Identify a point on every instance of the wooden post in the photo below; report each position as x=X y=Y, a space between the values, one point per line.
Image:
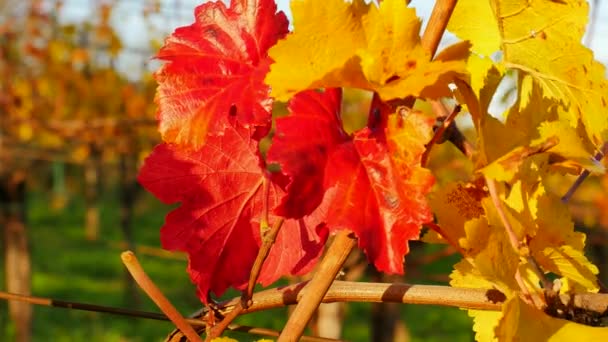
x=17 y=260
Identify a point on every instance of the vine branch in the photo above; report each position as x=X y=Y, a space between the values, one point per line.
x=130 y=261
x=352 y=291
x=315 y=291
x=445 y=123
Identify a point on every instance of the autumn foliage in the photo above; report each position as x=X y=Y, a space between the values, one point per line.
x=215 y=97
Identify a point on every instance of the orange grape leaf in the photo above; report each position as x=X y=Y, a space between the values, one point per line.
x=341 y=44
x=215 y=69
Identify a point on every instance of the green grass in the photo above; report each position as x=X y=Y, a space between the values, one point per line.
x=67 y=267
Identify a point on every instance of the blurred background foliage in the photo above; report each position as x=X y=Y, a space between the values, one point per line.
x=76 y=121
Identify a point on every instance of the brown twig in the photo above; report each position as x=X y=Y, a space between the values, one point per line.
x=139 y=314
x=348 y=291
x=218 y=329
x=268 y=240
x=315 y=291
x=91 y=307
x=437 y=23
x=439 y=134
x=146 y=284
x=452 y=133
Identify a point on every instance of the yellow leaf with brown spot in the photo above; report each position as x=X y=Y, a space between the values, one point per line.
x=454 y=204
x=360 y=46
x=542 y=40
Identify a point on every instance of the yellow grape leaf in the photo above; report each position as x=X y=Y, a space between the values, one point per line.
x=516 y=325
x=224 y=339
x=454 y=204
x=549 y=49
x=555 y=244
x=571 y=287
x=505 y=168
x=546 y=49
x=474 y=20
x=522 y=205
x=466 y=275
x=529 y=111
x=530 y=279
x=406 y=131
x=555 y=226
x=484 y=77
x=523 y=198
x=495 y=140
x=342 y=44
x=570 y=263
x=555 y=137
x=484 y=323
x=518 y=225
x=570 y=145
x=489 y=250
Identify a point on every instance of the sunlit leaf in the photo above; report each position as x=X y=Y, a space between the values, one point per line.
x=370 y=47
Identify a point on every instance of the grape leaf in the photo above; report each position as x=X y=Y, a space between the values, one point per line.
x=374 y=201
x=488 y=247
x=467 y=276
x=216 y=68
x=454 y=204
x=549 y=229
x=547 y=48
x=571 y=264
x=484 y=78
x=557 y=247
x=303 y=157
x=515 y=325
x=479 y=27
x=358 y=45
x=374 y=188
x=220 y=187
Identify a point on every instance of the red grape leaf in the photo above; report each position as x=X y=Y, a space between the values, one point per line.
x=377 y=190
x=220 y=187
x=216 y=68
x=303 y=156
x=374 y=200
